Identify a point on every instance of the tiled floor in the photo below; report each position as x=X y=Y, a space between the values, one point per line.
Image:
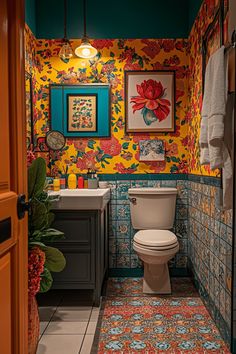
x=129 y=322
x=132 y=322
x=68 y=325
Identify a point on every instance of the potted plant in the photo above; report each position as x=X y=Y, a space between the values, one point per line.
x=43 y=259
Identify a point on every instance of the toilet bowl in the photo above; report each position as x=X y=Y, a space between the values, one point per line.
x=152 y=212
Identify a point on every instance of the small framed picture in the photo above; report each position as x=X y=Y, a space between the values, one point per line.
x=82 y=113
x=151 y=150
x=150 y=101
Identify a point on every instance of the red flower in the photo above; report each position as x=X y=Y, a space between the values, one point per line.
x=87 y=161
x=138 y=137
x=171 y=149
x=30 y=156
x=150 y=97
x=152 y=48
x=185 y=141
x=35 y=269
x=103 y=43
x=157 y=167
x=111 y=146
x=132 y=66
x=122 y=169
x=168 y=45
x=80 y=144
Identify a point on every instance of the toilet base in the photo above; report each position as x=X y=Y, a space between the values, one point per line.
x=156 y=279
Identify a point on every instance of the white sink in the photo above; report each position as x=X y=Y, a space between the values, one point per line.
x=81 y=199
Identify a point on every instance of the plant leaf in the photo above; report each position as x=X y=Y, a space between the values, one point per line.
x=36 y=177
x=46 y=281
x=55 y=260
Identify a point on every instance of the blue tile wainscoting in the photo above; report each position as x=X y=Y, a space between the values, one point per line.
x=210 y=252
x=203 y=230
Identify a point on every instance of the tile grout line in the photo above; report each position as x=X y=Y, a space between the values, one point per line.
x=81 y=346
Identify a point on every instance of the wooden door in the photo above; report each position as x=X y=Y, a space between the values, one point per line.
x=13 y=232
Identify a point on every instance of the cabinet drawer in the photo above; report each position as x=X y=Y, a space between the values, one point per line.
x=78 y=227
x=78 y=270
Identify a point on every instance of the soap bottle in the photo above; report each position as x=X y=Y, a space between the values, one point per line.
x=56 y=184
x=72 y=181
x=80 y=182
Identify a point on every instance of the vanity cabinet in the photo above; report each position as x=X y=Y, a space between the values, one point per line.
x=85 y=248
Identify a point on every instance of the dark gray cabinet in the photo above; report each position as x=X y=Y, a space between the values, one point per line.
x=85 y=248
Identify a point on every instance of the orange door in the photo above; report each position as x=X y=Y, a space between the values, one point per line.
x=13 y=232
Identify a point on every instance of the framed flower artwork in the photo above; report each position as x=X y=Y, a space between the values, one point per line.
x=150 y=101
x=82 y=111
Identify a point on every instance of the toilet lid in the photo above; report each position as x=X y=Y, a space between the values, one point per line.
x=155 y=238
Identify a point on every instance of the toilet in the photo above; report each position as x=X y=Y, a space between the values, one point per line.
x=152 y=213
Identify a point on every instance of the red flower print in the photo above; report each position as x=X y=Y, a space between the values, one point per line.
x=168 y=44
x=157 y=167
x=152 y=48
x=171 y=149
x=185 y=140
x=111 y=146
x=138 y=137
x=102 y=43
x=80 y=144
x=87 y=161
x=178 y=94
x=122 y=169
x=132 y=66
x=150 y=97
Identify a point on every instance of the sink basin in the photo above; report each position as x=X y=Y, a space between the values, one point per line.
x=81 y=199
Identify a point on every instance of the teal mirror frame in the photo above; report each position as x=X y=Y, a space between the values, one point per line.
x=59 y=108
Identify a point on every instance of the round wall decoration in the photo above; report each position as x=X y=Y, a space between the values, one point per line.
x=55 y=140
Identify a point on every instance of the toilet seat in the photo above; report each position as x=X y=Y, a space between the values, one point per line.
x=159 y=240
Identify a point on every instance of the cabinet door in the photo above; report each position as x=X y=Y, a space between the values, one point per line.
x=77 y=247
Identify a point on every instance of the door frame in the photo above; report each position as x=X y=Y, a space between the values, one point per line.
x=18 y=164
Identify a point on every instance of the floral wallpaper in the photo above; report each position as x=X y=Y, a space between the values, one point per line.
x=205 y=16
x=120 y=152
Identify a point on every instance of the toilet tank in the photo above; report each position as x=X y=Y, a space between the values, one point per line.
x=152 y=208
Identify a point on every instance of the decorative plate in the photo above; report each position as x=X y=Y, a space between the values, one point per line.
x=55 y=140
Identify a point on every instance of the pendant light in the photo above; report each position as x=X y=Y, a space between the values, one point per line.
x=66 y=51
x=85 y=50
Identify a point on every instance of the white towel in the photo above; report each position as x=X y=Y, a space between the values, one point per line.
x=213 y=150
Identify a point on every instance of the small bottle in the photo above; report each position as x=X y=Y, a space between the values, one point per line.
x=72 y=181
x=80 y=182
x=56 y=184
x=85 y=182
x=62 y=183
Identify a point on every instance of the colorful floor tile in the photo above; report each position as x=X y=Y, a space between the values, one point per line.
x=131 y=322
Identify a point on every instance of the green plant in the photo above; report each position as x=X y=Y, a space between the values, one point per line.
x=40 y=220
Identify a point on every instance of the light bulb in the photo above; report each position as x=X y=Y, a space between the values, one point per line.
x=86 y=52
x=66 y=51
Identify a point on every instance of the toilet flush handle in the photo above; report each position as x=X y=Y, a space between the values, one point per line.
x=133 y=201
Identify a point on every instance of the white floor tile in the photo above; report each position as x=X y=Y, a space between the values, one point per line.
x=43 y=325
x=91 y=327
x=64 y=327
x=79 y=314
x=87 y=344
x=46 y=312
x=95 y=314
x=56 y=344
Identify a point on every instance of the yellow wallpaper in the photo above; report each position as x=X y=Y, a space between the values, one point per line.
x=205 y=16
x=118 y=154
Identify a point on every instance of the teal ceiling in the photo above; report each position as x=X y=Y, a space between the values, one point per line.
x=117 y=19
